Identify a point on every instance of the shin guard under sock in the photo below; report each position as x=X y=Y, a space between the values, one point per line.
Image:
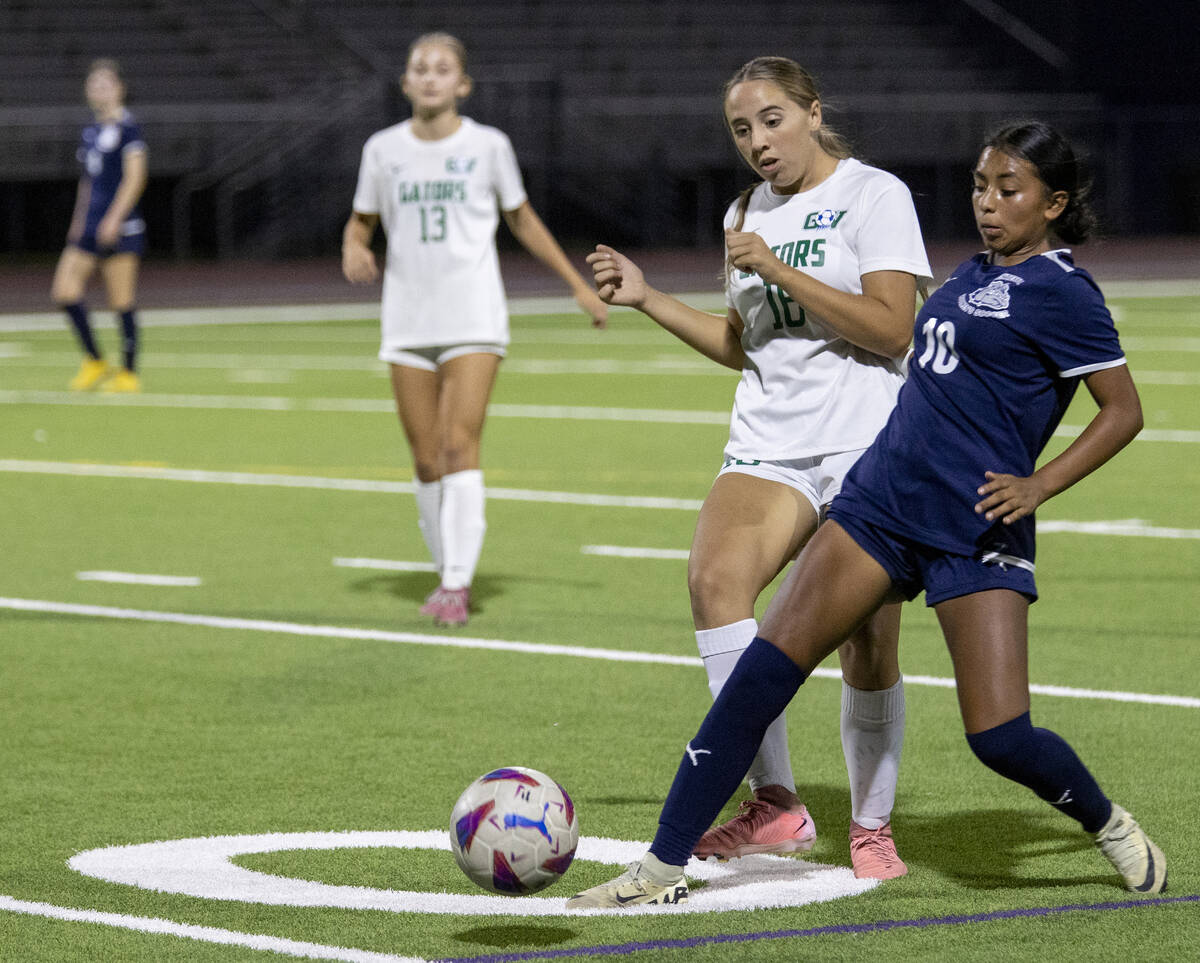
x=716 y=759
x=1041 y=760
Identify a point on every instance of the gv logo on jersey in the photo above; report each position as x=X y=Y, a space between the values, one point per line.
x=460 y=165
x=823 y=219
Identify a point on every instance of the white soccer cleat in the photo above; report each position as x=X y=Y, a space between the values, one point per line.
x=1142 y=864
x=638 y=885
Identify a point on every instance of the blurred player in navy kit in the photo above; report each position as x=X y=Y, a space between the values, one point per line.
x=943 y=502
x=438 y=183
x=106 y=229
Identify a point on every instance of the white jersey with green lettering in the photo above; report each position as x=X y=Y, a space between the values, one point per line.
x=805 y=390
x=440 y=202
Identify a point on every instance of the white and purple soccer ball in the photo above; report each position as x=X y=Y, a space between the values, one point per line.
x=513 y=831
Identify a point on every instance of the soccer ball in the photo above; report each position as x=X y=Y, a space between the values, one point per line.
x=513 y=831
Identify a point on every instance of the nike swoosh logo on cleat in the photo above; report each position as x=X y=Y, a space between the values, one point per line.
x=1148 y=883
x=622 y=900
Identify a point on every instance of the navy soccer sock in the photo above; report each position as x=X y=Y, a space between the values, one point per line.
x=1042 y=760
x=760 y=687
x=129 y=338
x=78 y=315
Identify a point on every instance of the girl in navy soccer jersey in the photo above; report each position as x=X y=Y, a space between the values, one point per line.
x=439 y=183
x=106 y=229
x=943 y=501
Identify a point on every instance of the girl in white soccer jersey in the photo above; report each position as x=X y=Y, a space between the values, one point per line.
x=438 y=183
x=824 y=260
x=943 y=502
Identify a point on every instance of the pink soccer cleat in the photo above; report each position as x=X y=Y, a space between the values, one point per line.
x=873 y=853
x=759 y=827
x=433 y=601
x=453 y=607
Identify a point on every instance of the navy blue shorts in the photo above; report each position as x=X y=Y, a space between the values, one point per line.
x=914 y=567
x=126 y=244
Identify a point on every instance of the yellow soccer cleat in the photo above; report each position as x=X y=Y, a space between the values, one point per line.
x=90 y=374
x=124 y=382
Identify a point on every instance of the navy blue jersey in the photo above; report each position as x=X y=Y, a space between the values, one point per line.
x=102 y=154
x=998 y=354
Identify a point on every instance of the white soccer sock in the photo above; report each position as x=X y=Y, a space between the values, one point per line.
x=429 y=514
x=720 y=648
x=872 y=736
x=462 y=526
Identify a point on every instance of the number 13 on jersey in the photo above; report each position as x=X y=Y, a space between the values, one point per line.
x=433 y=223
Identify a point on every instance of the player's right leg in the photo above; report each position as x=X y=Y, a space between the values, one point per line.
x=748 y=529
x=415 y=386
x=75 y=267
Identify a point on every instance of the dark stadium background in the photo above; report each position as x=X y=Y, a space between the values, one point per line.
x=255 y=112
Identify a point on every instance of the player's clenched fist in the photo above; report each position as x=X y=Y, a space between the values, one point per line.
x=618 y=280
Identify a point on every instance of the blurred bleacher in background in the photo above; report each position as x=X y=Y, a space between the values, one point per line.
x=255 y=111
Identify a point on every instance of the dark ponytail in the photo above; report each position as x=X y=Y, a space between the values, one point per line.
x=1054 y=160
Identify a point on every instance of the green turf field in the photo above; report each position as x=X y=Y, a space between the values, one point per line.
x=280 y=681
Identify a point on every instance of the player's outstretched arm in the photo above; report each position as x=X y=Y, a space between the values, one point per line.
x=621 y=282
x=536 y=238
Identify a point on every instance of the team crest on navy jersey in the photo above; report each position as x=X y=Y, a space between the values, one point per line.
x=827 y=218
x=991 y=301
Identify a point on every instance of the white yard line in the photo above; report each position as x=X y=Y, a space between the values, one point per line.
x=331 y=484
x=1132 y=526
x=22 y=356
x=664 y=416
x=624 y=551
x=384 y=565
x=203 y=934
x=500 y=645
x=131 y=578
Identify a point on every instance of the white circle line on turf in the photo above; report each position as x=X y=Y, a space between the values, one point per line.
x=525 y=648
x=204 y=868
x=202 y=934
x=132 y=578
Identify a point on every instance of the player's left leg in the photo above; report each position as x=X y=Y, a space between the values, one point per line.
x=987 y=635
x=872 y=728
x=120 y=272
x=466 y=387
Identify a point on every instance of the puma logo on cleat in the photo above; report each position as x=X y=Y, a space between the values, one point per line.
x=693 y=753
x=679 y=896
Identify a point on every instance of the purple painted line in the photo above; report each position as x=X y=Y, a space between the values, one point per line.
x=624 y=949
